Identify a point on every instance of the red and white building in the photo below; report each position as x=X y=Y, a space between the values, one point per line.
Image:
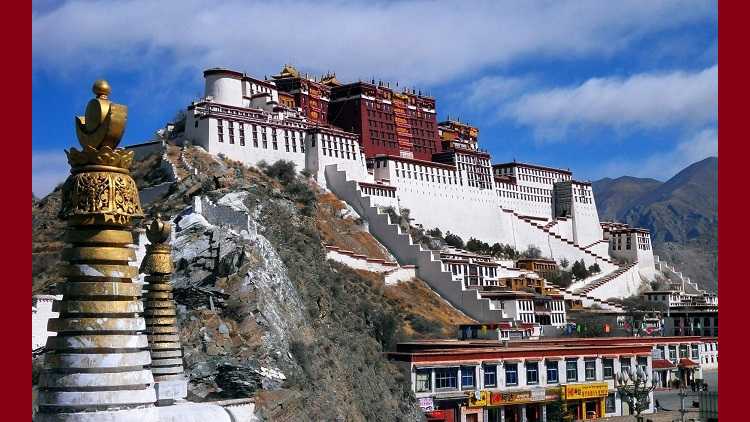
x=490 y=381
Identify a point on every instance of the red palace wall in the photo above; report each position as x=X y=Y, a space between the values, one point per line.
x=387 y=128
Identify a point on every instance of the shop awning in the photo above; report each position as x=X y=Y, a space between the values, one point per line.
x=687 y=363
x=662 y=364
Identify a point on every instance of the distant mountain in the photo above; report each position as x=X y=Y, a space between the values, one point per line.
x=614 y=196
x=681 y=213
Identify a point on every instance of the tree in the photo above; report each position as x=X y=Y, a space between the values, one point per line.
x=454 y=240
x=560 y=278
x=510 y=252
x=435 y=233
x=282 y=170
x=564 y=263
x=579 y=270
x=532 y=252
x=474 y=245
x=594 y=269
x=635 y=389
x=557 y=411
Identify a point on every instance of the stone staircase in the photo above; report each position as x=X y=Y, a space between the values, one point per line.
x=428 y=265
x=587 y=300
x=546 y=229
x=605 y=279
x=594 y=244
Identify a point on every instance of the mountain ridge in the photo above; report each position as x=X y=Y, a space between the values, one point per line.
x=681 y=213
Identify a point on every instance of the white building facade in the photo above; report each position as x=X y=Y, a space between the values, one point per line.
x=519 y=204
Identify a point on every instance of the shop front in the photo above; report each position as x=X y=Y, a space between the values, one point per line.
x=586 y=401
x=512 y=406
x=442 y=409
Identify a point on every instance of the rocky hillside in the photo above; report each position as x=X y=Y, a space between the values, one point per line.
x=262 y=312
x=682 y=214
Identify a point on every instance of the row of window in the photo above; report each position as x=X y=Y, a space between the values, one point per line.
x=292 y=138
x=683 y=351
x=367 y=190
x=448 y=378
x=557 y=318
x=460 y=269
x=429 y=177
x=524 y=197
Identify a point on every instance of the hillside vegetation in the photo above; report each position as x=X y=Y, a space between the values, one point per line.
x=271 y=299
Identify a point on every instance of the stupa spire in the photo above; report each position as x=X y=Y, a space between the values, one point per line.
x=98 y=361
x=159 y=310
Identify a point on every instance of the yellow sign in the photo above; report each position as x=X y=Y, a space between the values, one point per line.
x=585 y=391
x=478 y=398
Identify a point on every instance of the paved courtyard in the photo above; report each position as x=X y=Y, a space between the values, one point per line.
x=670 y=400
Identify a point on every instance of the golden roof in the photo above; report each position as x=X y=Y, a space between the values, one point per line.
x=288 y=71
x=330 y=80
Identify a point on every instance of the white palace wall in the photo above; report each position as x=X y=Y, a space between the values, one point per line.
x=437 y=195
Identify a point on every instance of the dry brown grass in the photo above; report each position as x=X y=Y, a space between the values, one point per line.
x=345 y=233
x=417 y=298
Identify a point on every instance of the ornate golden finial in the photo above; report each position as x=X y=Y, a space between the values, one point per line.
x=158 y=259
x=158 y=231
x=104 y=122
x=100 y=189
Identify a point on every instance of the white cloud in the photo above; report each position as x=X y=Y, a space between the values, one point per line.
x=664 y=165
x=640 y=101
x=493 y=90
x=48 y=169
x=414 y=41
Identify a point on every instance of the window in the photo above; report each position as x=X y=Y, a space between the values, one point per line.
x=694 y=352
x=511 y=374
x=683 y=351
x=571 y=370
x=467 y=377
x=532 y=372
x=490 y=376
x=625 y=364
x=673 y=353
x=609 y=404
x=446 y=378
x=590 y=369
x=609 y=368
x=424 y=380
x=552 y=375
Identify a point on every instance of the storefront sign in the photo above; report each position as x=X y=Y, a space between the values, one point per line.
x=538 y=394
x=478 y=398
x=552 y=393
x=426 y=404
x=585 y=391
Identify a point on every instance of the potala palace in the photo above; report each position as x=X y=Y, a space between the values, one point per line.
x=378 y=147
x=111 y=341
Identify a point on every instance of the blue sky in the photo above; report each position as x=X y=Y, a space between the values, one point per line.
x=603 y=88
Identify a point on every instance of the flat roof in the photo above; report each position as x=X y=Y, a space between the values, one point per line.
x=463 y=350
x=534 y=166
x=415 y=161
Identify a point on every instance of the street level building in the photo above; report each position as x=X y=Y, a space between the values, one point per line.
x=490 y=381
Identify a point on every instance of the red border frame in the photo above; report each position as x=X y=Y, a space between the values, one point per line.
x=17 y=221
x=733 y=90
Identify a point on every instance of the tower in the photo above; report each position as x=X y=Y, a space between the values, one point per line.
x=159 y=310
x=97 y=364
